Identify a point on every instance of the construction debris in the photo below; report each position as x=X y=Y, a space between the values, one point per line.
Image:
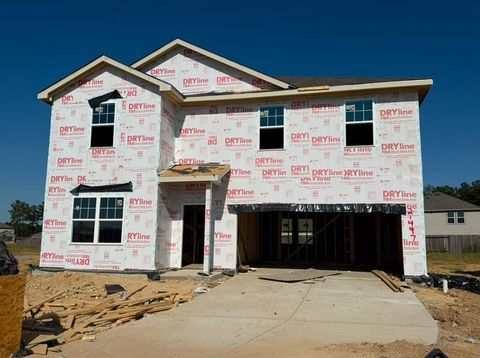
x=389 y=281
x=114 y=288
x=298 y=275
x=86 y=308
x=454 y=281
x=40 y=349
x=134 y=292
x=85 y=319
x=200 y=290
x=89 y=337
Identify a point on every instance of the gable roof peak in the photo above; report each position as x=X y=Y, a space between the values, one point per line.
x=162 y=51
x=48 y=93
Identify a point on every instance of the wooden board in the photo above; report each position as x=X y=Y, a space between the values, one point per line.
x=40 y=349
x=298 y=275
x=40 y=304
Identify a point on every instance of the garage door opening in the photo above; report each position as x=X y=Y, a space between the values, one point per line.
x=347 y=240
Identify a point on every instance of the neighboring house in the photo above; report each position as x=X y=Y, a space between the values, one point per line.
x=36 y=236
x=7 y=233
x=451 y=224
x=186 y=157
x=32 y=240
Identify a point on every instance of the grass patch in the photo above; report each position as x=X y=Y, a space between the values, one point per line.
x=26 y=255
x=23 y=249
x=453 y=263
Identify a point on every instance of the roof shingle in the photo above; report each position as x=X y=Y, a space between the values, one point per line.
x=336 y=81
x=439 y=201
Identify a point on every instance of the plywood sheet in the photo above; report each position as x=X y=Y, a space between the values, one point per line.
x=298 y=275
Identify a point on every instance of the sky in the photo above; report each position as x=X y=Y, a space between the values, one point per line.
x=41 y=42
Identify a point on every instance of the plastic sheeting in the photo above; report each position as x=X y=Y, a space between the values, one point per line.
x=454 y=281
x=94 y=102
x=329 y=208
x=112 y=188
x=8 y=262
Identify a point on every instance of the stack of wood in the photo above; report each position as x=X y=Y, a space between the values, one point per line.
x=62 y=318
x=389 y=281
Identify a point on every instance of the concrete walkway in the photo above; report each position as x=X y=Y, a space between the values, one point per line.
x=247 y=316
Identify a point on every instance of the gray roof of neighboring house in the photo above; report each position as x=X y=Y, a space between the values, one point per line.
x=5 y=226
x=336 y=81
x=438 y=201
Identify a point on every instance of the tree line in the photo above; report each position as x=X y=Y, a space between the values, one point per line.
x=25 y=218
x=465 y=191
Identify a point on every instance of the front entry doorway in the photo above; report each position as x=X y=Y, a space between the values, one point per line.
x=193 y=234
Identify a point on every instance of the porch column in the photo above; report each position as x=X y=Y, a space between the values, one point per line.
x=208 y=252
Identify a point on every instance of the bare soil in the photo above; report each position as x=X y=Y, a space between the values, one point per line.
x=91 y=286
x=458 y=311
x=80 y=294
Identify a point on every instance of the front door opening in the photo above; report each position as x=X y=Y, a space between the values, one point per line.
x=193 y=234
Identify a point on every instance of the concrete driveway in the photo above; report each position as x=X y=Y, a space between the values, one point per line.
x=248 y=316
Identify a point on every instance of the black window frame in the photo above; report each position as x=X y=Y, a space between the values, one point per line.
x=83 y=215
x=271 y=123
x=359 y=117
x=105 y=211
x=103 y=124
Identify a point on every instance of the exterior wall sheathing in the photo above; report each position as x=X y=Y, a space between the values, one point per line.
x=134 y=157
x=315 y=166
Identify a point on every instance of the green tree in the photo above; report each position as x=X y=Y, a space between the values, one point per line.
x=465 y=191
x=35 y=215
x=19 y=212
x=25 y=218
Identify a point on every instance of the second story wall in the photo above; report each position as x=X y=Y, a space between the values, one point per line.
x=315 y=165
x=192 y=73
x=167 y=133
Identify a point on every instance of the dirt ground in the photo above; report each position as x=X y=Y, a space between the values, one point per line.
x=90 y=286
x=83 y=291
x=458 y=311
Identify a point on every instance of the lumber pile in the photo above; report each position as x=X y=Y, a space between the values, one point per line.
x=389 y=281
x=64 y=317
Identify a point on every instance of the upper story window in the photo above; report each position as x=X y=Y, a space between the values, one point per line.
x=455 y=217
x=103 y=119
x=359 y=122
x=271 y=127
x=97 y=220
